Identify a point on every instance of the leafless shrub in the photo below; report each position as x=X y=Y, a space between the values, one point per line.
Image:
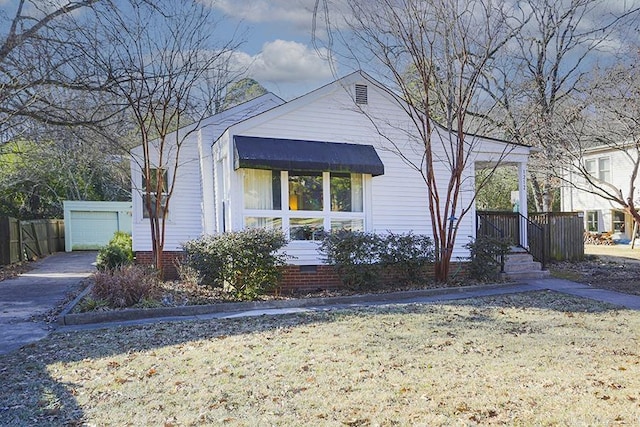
x=125 y=286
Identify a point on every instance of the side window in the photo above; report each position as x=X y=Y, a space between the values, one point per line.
x=154 y=173
x=592 y=220
x=617 y=218
x=346 y=192
x=590 y=166
x=604 y=169
x=599 y=168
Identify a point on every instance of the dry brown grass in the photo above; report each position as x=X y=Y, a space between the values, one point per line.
x=615 y=268
x=530 y=359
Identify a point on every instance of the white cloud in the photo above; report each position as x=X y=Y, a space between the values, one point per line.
x=282 y=61
x=298 y=12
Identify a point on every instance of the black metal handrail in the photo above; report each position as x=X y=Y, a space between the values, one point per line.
x=537 y=239
x=480 y=231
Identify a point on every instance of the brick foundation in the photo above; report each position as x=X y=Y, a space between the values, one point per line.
x=307 y=278
x=169 y=261
x=295 y=278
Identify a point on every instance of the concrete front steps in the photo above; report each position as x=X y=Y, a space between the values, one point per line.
x=519 y=265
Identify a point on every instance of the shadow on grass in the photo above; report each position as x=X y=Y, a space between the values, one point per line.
x=31 y=395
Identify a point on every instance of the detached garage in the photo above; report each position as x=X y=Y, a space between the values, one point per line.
x=90 y=225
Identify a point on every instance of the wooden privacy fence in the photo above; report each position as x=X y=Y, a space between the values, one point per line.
x=551 y=236
x=24 y=240
x=565 y=234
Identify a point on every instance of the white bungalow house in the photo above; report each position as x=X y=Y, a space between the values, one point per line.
x=317 y=162
x=613 y=166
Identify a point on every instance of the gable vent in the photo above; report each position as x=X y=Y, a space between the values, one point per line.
x=361 y=94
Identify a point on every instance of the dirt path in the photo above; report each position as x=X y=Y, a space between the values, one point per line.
x=615 y=253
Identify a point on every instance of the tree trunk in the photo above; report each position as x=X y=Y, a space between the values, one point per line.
x=537 y=193
x=442 y=267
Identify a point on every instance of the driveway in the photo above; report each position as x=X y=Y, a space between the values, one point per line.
x=24 y=300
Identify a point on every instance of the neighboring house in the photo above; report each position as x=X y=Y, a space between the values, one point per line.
x=613 y=166
x=314 y=163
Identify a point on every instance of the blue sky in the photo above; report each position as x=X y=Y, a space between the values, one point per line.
x=279 y=41
x=277 y=50
x=278 y=46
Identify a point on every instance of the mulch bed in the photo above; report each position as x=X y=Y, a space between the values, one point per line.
x=13 y=270
x=612 y=273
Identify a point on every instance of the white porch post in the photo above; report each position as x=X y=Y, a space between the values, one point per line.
x=206 y=176
x=522 y=203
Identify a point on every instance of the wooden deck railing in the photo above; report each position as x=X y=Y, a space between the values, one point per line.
x=555 y=235
x=508 y=226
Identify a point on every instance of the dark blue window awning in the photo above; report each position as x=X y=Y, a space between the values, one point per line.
x=294 y=154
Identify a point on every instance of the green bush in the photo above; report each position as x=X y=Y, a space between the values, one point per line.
x=406 y=255
x=366 y=261
x=485 y=254
x=125 y=286
x=246 y=262
x=123 y=240
x=355 y=255
x=117 y=253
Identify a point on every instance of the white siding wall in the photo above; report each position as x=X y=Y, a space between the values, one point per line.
x=582 y=201
x=185 y=219
x=399 y=197
x=192 y=206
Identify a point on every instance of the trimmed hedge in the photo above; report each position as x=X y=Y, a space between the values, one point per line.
x=366 y=261
x=246 y=262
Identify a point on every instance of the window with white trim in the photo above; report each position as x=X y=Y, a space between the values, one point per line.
x=153 y=175
x=617 y=221
x=592 y=220
x=316 y=201
x=599 y=168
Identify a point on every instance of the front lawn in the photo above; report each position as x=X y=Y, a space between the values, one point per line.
x=529 y=359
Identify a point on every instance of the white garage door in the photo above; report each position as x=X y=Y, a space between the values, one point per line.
x=91 y=230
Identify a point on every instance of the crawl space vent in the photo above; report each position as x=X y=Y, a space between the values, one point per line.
x=361 y=94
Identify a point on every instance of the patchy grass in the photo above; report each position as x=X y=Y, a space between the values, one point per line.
x=602 y=271
x=530 y=359
x=566 y=274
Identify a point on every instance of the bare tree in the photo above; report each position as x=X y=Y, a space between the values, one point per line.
x=435 y=53
x=611 y=123
x=544 y=73
x=39 y=61
x=156 y=54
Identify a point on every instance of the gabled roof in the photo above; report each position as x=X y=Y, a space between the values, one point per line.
x=597 y=149
x=344 y=82
x=301 y=100
x=227 y=118
x=246 y=106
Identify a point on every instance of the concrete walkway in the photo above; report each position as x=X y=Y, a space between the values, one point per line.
x=631 y=302
x=26 y=299
x=410 y=297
